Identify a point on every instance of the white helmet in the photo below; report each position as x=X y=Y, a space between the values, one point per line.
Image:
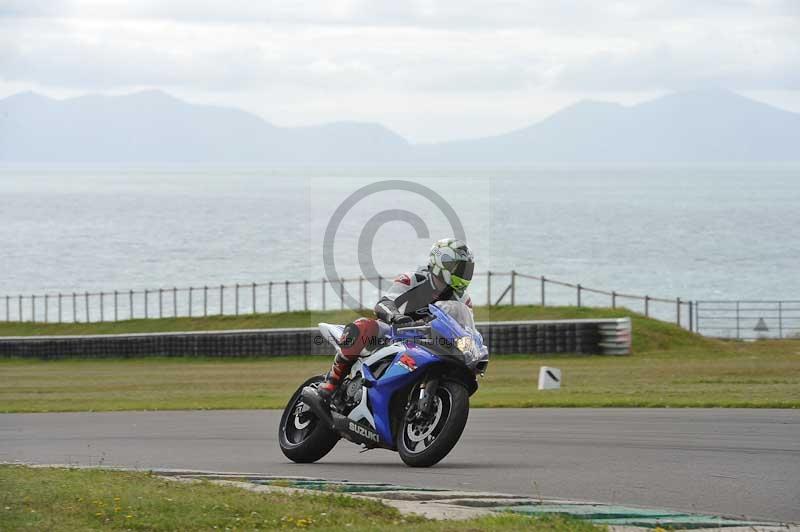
x=452 y=261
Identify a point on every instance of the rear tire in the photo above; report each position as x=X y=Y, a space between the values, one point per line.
x=423 y=444
x=303 y=439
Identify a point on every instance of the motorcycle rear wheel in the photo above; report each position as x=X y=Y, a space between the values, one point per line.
x=423 y=443
x=303 y=439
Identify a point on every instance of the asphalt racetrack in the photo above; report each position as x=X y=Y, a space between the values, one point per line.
x=731 y=462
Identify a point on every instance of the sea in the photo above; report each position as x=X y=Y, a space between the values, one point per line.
x=699 y=232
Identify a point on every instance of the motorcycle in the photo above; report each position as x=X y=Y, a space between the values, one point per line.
x=410 y=395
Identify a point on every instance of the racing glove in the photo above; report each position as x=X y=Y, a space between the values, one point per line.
x=387 y=311
x=401 y=320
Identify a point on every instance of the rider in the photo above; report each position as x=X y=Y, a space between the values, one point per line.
x=446 y=277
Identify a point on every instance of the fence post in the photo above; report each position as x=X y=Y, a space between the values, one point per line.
x=489 y=288
x=341 y=294
x=691 y=316
x=678 y=311
x=780 y=319
x=236 y=299
x=33 y=309
x=323 y=293
x=174 y=301
x=613 y=299
x=205 y=301
x=255 y=308
x=116 y=308
x=59 y=307
x=513 y=287
x=543 y=281
x=221 y=299
x=360 y=291
x=380 y=286
x=305 y=294
x=647 y=306
x=160 y=302
x=191 y=293
x=46 y=308
x=8 y=308
x=130 y=303
x=579 y=295
x=270 y=297
x=286 y=286
x=19 y=307
x=102 y=309
x=737 y=321
x=146 y=304
x=74 y=308
x=86 y=304
x=697 y=317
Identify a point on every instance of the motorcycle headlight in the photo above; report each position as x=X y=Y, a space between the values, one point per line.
x=464 y=344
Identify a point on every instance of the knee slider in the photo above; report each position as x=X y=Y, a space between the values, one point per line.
x=349 y=335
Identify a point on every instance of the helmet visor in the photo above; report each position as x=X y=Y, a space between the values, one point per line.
x=460 y=268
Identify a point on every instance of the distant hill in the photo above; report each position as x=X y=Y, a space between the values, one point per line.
x=151 y=126
x=698 y=126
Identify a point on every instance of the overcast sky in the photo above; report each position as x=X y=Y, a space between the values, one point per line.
x=430 y=70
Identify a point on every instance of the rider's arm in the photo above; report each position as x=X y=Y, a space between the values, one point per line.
x=386 y=310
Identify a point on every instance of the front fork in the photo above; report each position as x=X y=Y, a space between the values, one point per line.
x=424 y=405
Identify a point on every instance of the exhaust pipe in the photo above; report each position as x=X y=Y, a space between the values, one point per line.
x=323 y=413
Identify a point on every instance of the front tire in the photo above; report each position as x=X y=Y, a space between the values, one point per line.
x=303 y=439
x=425 y=443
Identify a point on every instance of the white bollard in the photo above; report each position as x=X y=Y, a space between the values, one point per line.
x=549 y=378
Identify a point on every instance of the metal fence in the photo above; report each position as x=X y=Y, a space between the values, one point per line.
x=489 y=288
x=748 y=319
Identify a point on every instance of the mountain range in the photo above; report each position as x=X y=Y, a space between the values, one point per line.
x=154 y=127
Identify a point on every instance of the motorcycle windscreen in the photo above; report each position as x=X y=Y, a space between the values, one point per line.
x=450 y=315
x=455 y=323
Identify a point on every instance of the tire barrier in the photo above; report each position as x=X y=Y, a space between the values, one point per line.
x=606 y=336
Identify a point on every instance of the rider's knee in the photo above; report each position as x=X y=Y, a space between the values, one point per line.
x=358 y=335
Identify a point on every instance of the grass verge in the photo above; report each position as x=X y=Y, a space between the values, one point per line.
x=85 y=499
x=746 y=375
x=669 y=367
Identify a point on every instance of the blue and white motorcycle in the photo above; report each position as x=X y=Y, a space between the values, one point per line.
x=410 y=396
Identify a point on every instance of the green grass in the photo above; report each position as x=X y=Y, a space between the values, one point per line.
x=669 y=367
x=755 y=375
x=84 y=499
x=210 y=323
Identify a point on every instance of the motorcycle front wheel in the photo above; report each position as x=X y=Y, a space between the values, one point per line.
x=424 y=442
x=303 y=439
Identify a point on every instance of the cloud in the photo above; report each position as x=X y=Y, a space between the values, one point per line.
x=96 y=55
x=321 y=56
x=466 y=45
x=417 y=13
x=744 y=65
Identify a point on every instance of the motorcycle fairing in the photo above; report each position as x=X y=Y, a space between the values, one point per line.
x=397 y=377
x=408 y=359
x=362 y=411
